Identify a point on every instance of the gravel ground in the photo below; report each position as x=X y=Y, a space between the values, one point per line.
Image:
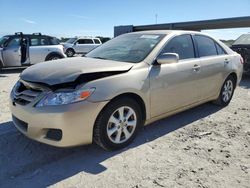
x=203 y=147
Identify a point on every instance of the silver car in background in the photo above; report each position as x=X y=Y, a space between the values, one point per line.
x=80 y=45
x=26 y=49
x=129 y=81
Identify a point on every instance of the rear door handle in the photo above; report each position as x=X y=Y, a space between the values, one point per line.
x=196 y=68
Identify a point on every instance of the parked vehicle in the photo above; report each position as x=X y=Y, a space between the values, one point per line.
x=242 y=46
x=128 y=82
x=25 y=49
x=81 y=45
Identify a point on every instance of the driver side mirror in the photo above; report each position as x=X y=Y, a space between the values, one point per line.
x=167 y=58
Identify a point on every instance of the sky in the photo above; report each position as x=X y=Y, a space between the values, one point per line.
x=68 y=18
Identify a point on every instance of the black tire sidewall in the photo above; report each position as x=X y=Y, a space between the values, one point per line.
x=52 y=56
x=73 y=53
x=104 y=118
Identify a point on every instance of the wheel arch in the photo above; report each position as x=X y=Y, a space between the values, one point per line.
x=53 y=54
x=234 y=75
x=137 y=98
x=70 y=48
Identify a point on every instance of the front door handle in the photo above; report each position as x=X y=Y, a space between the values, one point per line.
x=196 y=68
x=226 y=62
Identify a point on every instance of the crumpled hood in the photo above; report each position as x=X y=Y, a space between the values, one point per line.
x=69 y=69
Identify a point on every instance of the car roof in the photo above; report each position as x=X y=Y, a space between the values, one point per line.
x=29 y=35
x=87 y=37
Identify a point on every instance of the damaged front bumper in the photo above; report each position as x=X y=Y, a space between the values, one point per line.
x=62 y=125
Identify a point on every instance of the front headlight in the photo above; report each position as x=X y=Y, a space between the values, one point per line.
x=65 y=97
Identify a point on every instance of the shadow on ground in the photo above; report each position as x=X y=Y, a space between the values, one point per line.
x=6 y=71
x=245 y=82
x=31 y=164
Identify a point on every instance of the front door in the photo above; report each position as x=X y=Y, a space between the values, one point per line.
x=173 y=86
x=12 y=52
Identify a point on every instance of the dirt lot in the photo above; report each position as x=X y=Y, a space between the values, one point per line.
x=204 y=147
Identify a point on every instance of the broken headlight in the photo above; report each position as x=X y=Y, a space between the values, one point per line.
x=65 y=97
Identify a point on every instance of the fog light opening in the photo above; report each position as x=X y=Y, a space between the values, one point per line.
x=54 y=134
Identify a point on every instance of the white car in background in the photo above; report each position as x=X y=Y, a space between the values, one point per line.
x=80 y=45
x=28 y=49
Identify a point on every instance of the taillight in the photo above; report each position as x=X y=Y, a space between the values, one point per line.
x=241 y=60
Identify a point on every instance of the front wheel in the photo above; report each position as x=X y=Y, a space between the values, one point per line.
x=226 y=92
x=70 y=52
x=117 y=124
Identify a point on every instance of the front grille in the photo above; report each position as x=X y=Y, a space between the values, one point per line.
x=21 y=124
x=24 y=95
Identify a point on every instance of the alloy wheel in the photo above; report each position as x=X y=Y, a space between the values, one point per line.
x=121 y=125
x=227 y=90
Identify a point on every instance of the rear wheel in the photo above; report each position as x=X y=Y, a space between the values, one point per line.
x=117 y=124
x=227 y=91
x=53 y=57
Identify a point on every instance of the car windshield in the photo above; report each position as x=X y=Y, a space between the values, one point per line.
x=71 y=40
x=243 y=39
x=127 y=48
x=3 y=40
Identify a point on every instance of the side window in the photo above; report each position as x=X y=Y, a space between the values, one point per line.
x=38 y=41
x=219 y=49
x=205 y=45
x=97 y=41
x=34 y=41
x=54 y=41
x=44 y=41
x=182 y=45
x=15 y=42
x=85 y=41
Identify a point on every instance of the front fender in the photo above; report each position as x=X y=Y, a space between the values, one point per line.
x=133 y=81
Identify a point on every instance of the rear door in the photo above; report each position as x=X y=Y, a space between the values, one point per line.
x=39 y=48
x=84 y=45
x=12 y=52
x=175 y=85
x=214 y=61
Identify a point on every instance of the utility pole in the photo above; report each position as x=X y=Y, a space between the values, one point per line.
x=156 y=16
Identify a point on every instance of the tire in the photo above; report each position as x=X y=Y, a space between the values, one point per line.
x=110 y=128
x=227 y=91
x=70 y=52
x=1 y=66
x=53 y=57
